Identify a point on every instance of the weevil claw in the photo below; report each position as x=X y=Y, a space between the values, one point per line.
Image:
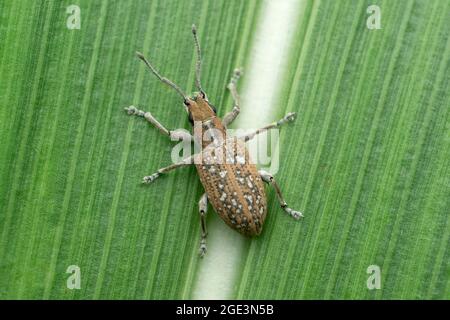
x=294 y=214
x=202 y=250
x=131 y=110
x=238 y=73
x=291 y=116
x=151 y=178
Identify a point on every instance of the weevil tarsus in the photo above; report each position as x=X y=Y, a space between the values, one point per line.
x=203 y=209
x=269 y=179
x=132 y=110
x=232 y=86
x=287 y=118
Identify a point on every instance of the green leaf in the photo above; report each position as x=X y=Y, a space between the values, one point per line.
x=366 y=160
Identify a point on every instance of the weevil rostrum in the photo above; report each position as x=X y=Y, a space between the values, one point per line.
x=233 y=185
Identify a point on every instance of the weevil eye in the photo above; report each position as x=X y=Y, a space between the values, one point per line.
x=186 y=102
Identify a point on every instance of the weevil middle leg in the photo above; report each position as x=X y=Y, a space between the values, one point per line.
x=203 y=208
x=154 y=176
x=268 y=178
x=230 y=116
x=178 y=134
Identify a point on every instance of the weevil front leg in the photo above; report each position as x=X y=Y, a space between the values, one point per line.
x=230 y=116
x=268 y=178
x=178 y=134
x=287 y=118
x=154 y=176
x=203 y=208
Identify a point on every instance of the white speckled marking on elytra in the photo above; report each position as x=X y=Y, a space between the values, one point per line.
x=240 y=160
x=218 y=271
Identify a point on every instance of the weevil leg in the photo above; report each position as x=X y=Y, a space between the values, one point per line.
x=203 y=208
x=154 y=176
x=268 y=178
x=287 y=118
x=230 y=116
x=175 y=135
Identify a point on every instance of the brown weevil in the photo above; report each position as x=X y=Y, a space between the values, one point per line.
x=233 y=185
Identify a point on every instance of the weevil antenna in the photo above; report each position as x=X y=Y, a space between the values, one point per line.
x=161 y=78
x=198 y=66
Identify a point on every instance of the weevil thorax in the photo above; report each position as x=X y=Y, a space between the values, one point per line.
x=208 y=127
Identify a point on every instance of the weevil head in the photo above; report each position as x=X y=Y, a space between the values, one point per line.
x=199 y=108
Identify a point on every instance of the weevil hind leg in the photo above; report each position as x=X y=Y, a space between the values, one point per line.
x=202 y=209
x=175 y=135
x=159 y=172
x=287 y=118
x=268 y=178
x=230 y=116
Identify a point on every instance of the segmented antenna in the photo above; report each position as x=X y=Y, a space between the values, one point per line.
x=198 y=66
x=161 y=78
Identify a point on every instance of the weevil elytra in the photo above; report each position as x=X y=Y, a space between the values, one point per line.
x=233 y=185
